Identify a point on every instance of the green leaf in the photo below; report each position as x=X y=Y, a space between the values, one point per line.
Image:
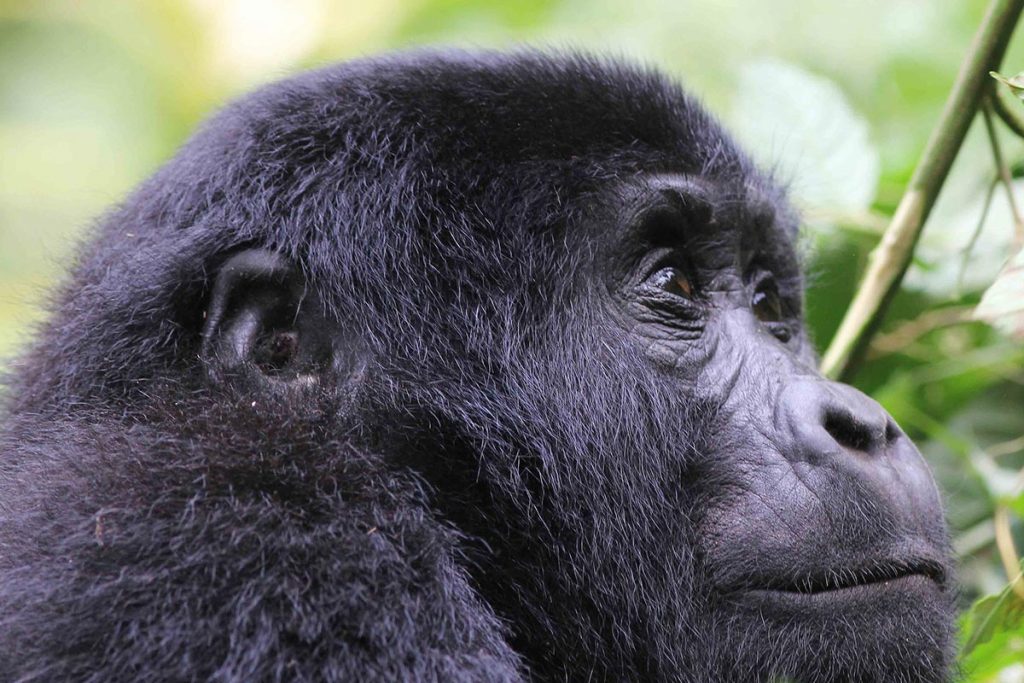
x=988 y=621
x=802 y=125
x=996 y=661
x=1015 y=83
x=1002 y=305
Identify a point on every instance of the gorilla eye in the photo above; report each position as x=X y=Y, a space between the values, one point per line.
x=766 y=304
x=769 y=309
x=673 y=281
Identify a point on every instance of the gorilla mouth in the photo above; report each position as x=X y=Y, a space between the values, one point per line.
x=836 y=580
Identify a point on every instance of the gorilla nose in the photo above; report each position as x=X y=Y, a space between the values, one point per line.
x=834 y=427
x=827 y=418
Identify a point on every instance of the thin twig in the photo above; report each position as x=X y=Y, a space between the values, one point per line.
x=965 y=253
x=889 y=260
x=1006 y=447
x=912 y=330
x=1004 y=541
x=1013 y=117
x=1003 y=170
x=1008 y=550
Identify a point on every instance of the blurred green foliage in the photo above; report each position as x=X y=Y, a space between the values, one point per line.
x=836 y=98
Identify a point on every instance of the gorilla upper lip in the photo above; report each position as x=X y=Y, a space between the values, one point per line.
x=841 y=578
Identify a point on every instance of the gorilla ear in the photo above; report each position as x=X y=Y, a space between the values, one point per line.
x=261 y=322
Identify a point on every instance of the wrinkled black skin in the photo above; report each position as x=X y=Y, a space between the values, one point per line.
x=370 y=382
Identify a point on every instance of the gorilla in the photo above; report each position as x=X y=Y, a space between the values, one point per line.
x=456 y=366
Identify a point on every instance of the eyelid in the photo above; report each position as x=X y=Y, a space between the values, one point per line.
x=659 y=258
x=758 y=276
x=678 y=310
x=785 y=288
x=663 y=259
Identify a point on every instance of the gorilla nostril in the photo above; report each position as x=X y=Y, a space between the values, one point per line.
x=892 y=431
x=852 y=433
x=826 y=417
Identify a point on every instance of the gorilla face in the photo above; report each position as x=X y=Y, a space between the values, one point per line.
x=817 y=528
x=820 y=490
x=553 y=293
x=662 y=430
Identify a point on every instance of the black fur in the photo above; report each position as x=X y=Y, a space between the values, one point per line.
x=492 y=478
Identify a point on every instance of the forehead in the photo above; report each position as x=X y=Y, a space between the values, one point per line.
x=697 y=206
x=434 y=149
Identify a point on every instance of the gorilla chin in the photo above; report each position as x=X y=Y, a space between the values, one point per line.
x=449 y=366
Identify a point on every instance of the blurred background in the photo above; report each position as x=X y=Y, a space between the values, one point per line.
x=838 y=97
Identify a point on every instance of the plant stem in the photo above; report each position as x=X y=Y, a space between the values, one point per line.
x=912 y=330
x=1012 y=116
x=889 y=260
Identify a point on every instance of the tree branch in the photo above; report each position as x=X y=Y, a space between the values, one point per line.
x=889 y=260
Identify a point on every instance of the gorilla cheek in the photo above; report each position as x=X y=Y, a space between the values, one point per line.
x=766 y=512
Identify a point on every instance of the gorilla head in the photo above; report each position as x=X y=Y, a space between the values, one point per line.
x=457 y=367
